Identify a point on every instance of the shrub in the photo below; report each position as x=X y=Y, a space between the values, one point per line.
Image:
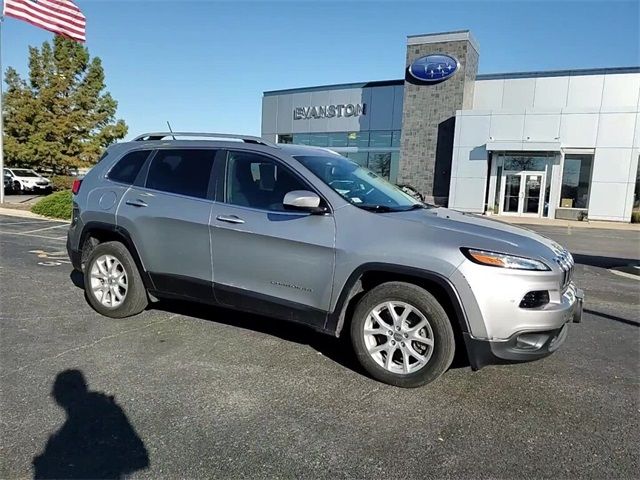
x=56 y=205
x=635 y=216
x=61 y=182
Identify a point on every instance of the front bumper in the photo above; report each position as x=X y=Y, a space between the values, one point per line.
x=524 y=346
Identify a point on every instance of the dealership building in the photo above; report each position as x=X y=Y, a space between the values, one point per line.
x=552 y=144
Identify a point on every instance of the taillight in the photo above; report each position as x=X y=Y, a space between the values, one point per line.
x=75 y=188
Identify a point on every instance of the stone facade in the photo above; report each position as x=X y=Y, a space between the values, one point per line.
x=428 y=117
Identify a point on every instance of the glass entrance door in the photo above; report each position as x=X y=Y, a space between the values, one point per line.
x=532 y=192
x=522 y=193
x=511 y=196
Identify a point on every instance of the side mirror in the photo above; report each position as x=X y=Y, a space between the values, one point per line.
x=303 y=200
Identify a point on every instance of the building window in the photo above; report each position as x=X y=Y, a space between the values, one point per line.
x=338 y=139
x=576 y=180
x=319 y=139
x=380 y=139
x=532 y=163
x=380 y=163
x=360 y=158
x=359 y=139
x=636 y=195
x=301 y=138
x=395 y=139
x=288 y=138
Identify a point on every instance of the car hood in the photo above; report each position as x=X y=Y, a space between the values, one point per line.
x=475 y=231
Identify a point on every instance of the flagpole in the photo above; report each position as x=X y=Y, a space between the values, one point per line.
x=1 y=117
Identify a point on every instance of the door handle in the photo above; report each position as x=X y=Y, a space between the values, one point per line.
x=136 y=203
x=230 y=219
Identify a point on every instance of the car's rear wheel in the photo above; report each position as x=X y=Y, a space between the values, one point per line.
x=402 y=335
x=113 y=285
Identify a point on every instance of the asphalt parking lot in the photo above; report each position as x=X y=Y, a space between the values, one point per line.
x=201 y=392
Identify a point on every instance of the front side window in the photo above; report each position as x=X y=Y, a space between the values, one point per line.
x=362 y=187
x=258 y=182
x=182 y=171
x=576 y=179
x=128 y=167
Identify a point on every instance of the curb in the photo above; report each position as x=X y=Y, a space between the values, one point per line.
x=14 y=212
x=629 y=227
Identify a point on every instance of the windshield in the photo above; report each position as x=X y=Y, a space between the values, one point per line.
x=23 y=172
x=360 y=186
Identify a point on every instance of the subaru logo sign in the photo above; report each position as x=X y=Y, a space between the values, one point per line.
x=432 y=69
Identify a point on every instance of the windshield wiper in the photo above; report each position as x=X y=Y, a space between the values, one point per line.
x=376 y=208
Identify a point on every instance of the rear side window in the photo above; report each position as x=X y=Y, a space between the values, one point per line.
x=184 y=171
x=127 y=169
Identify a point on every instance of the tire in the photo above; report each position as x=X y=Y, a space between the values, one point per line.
x=133 y=298
x=429 y=361
x=17 y=187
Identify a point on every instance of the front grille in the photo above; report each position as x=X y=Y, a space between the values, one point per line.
x=565 y=262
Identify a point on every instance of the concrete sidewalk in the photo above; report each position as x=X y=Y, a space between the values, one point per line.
x=16 y=212
x=566 y=223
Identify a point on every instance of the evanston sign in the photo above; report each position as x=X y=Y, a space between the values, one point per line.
x=330 y=111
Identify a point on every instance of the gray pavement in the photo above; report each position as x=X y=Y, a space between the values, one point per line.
x=215 y=393
x=22 y=199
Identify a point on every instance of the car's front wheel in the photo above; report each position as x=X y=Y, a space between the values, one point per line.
x=113 y=285
x=402 y=335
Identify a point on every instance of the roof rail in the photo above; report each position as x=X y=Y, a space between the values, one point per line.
x=163 y=135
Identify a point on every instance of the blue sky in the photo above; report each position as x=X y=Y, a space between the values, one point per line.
x=203 y=65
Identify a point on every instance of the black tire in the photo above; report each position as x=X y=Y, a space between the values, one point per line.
x=17 y=187
x=135 y=300
x=426 y=303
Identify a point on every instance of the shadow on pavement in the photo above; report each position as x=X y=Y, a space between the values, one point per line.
x=612 y=317
x=337 y=349
x=95 y=441
x=603 y=262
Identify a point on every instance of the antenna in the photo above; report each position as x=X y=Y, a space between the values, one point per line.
x=170 y=129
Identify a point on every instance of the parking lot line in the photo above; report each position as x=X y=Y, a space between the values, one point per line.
x=32 y=235
x=25 y=223
x=46 y=228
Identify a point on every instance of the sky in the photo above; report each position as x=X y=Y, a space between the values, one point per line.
x=203 y=65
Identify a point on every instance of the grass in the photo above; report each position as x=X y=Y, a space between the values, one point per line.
x=56 y=205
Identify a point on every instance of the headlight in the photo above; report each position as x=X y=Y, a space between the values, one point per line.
x=502 y=260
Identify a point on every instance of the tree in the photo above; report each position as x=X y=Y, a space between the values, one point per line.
x=61 y=118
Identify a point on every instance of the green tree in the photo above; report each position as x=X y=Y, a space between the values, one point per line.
x=61 y=118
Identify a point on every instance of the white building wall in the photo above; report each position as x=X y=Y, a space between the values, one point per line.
x=598 y=112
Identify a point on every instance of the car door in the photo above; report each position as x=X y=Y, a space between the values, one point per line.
x=167 y=215
x=265 y=258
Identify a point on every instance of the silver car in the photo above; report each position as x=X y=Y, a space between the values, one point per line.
x=303 y=234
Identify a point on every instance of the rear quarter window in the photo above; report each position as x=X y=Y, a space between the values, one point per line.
x=128 y=167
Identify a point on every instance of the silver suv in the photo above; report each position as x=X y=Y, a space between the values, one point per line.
x=303 y=234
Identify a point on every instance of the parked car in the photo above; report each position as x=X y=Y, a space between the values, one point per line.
x=8 y=185
x=304 y=234
x=27 y=180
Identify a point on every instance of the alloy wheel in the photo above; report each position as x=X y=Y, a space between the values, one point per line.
x=108 y=281
x=398 y=337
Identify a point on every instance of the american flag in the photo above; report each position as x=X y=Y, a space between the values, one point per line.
x=62 y=17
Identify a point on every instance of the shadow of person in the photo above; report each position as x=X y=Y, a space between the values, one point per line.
x=96 y=440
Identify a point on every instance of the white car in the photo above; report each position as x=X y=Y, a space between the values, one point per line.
x=27 y=180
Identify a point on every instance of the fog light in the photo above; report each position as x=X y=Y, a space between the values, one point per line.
x=535 y=299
